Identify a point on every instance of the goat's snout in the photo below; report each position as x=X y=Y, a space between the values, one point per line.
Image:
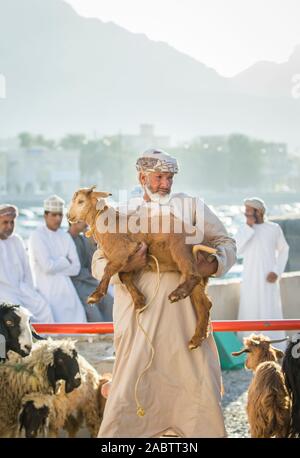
x=72 y=384
x=25 y=350
x=28 y=348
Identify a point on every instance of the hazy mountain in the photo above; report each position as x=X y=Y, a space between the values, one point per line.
x=65 y=73
x=268 y=78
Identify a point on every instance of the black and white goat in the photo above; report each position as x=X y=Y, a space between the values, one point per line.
x=15 y=330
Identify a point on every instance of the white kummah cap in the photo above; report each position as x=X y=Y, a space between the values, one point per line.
x=54 y=204
x=154 y=160
x=8 y=210
x=255 y=202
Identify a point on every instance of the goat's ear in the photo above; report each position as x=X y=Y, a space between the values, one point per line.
x=51 y=377
x=35 y=335
x=99 y=194
x=91 y=189
x=238 y=353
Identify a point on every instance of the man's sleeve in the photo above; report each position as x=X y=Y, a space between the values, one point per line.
x=282 y=249
x=98 y=265
x=244 y=234
x=39 y=252
x=216 y=236
x=74 y=265
x=24 y=260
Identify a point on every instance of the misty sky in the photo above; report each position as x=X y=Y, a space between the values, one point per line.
x=228 y=35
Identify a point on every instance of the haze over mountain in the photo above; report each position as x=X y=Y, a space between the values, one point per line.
x=65 y=73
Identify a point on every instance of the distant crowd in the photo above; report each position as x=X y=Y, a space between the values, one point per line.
x=54 y=282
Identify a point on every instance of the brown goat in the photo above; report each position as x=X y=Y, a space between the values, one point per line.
x=269 y=405
x=170 y=249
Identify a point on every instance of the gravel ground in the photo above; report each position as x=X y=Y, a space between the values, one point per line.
x=234 y=402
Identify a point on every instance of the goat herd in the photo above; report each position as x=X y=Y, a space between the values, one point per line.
x=47 y=386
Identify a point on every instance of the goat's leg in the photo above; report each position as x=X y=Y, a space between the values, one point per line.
x=202 y=305
x=138 y=298
x=183 y=257
x=111 y=268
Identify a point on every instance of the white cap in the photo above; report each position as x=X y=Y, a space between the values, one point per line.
x=54 y=204
x=255 y=202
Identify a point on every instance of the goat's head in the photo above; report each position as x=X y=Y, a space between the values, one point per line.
x=64 y=367
x=34 y=414
x=84 y=202
x=259 y=349
x=15 y=329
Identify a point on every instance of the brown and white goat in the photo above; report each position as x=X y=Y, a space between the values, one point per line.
x=269 y=405
x=170 y=249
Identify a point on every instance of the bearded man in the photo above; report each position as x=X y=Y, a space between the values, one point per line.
x=182 y=389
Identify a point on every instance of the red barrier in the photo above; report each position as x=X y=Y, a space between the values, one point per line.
x=107 y=328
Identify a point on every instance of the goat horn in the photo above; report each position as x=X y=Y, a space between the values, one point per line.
x=91 y=189
x=238 y=353
x=279 y=340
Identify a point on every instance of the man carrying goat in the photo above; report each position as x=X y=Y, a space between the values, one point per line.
x=181 y=389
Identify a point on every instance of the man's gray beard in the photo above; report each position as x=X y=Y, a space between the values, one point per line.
x=156 y=197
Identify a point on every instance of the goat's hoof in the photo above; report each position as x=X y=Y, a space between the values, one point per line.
x=177 y=295
x=172 y=298
x=195 y=342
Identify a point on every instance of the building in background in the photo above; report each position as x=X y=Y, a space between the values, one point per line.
x=31 y=174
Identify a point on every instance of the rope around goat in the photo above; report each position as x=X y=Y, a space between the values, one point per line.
x=140 y=410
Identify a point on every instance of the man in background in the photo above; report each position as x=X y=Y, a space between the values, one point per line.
x=84 y=282
x=265 y=252
x=16 y=284
x=54 y=260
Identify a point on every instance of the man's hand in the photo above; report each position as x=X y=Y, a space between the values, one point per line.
x=138 y=260
x=205 y=267
x=272 y=277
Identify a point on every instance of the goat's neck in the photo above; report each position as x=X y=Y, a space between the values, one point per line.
x=91 y=216
x=266 y=358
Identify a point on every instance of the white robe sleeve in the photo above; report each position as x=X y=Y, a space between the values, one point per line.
x=27 y=275
x=40 y=252
x=244 y=234
x=74 y=265
x=217 y=237
x=282 y=249
x=98 y=265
